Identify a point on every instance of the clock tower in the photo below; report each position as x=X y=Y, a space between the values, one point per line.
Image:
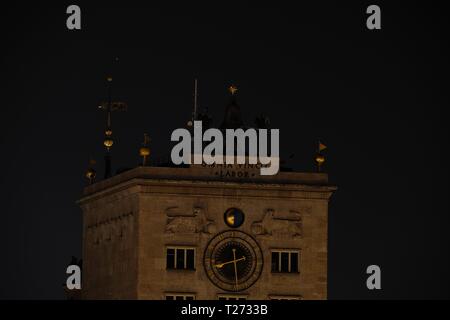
x=206 y=232
x=182 y=233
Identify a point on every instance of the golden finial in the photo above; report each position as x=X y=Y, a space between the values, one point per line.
x=320 y=158
x=108 y=141
x=233 y=89
x=90 y=173
x=144 y=151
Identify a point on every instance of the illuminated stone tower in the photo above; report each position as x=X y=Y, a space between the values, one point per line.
x=206 y=232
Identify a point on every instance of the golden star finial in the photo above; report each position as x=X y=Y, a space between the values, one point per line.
x=233 y=89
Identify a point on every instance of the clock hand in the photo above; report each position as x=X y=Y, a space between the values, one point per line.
x=220 y=265
x=235 y=267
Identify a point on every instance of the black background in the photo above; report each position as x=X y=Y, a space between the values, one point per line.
x=376 y=98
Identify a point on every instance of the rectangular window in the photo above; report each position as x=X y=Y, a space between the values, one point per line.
x=180 y=296
x=272 y=297
x=190 y=262
x=231 y=297
x=170 y=259
x=285 y=261
x=294 y=261
x=275 y=261
x=180 y=258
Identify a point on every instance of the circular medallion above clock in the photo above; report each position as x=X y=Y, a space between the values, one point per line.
x=234 y=218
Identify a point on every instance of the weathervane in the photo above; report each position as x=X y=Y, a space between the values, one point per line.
x=110 y=106
x=320 y=158
x=233 y=89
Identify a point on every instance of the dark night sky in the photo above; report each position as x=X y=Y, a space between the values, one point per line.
x=376 y=98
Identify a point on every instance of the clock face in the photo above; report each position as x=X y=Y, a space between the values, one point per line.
x=233 y=261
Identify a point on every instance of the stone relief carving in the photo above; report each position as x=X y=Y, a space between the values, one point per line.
x=195 y=223
x=288 y=226
x=110 y=229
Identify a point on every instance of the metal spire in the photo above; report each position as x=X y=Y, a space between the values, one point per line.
x=195 y=107
x=109 y=106
x=195 y=100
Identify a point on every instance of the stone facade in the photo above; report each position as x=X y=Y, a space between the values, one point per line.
x=131 y=219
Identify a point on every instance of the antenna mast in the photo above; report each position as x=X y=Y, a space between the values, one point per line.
x=194 y=116
x=194 y=111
